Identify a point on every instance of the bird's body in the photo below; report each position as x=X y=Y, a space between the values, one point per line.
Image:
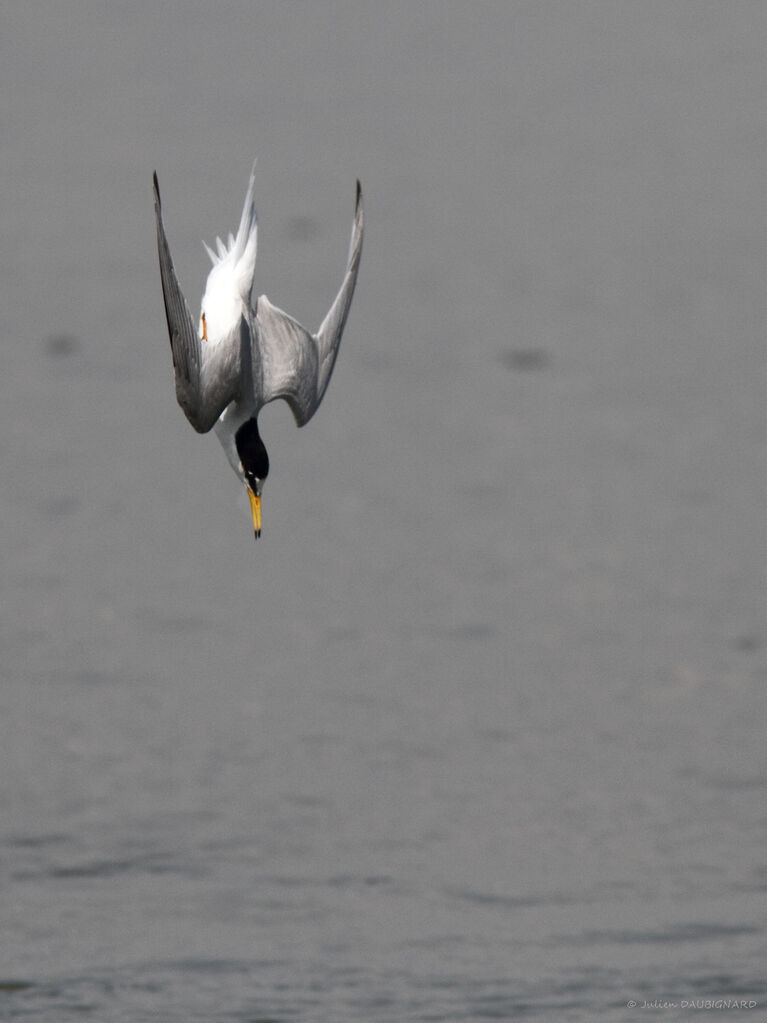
x=245 y=354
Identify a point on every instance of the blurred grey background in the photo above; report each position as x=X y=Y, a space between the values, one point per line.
x=477 y=728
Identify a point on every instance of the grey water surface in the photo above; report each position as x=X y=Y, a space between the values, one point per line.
x=477 y=729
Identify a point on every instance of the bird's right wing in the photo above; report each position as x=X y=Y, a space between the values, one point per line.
x=288 y=360
x=207 y=375
x=296 y=365
x=329 y=335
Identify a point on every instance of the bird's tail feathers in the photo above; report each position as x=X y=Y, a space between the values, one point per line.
x=241 y=249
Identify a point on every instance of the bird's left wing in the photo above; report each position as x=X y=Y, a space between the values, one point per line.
x=296 y=365
x=208 y=377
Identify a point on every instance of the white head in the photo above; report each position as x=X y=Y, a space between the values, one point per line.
x=237 y=430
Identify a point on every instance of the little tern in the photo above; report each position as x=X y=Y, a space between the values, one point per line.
x=243 y=355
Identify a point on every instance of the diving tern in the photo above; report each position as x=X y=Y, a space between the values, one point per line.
x=243 y=355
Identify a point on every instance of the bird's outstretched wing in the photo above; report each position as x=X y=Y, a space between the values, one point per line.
x=296 y=365
x=208 y=376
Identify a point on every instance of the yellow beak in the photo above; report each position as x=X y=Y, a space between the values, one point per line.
x=255 y=507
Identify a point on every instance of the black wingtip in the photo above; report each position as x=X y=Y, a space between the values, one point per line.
x=157 y=187
x=359 y=193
